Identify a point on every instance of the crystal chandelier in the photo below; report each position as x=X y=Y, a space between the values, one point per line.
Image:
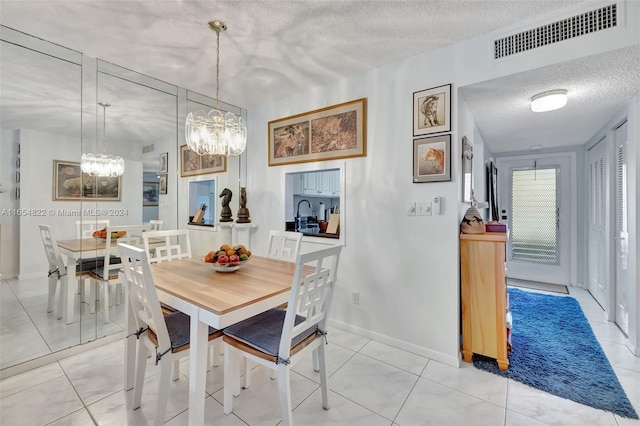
x=102 y=165
x=216 y=133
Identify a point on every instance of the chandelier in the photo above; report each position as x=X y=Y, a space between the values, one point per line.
x=216 y=133
x=102 y=165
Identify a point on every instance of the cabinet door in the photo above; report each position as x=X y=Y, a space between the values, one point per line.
x=311 y=183
x=335 y=176
x=298 y=184
x=325 y=183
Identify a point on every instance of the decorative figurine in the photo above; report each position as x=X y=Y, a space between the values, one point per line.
x=243 y=211
x=225 y=215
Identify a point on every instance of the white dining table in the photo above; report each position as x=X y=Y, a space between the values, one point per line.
x=215 y=299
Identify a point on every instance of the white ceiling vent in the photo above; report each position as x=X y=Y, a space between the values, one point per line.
x=574 y=26
x=148 y=148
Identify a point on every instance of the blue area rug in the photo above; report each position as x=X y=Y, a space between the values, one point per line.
x=554 y=350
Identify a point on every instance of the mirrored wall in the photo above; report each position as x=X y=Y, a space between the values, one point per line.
x=50 y=114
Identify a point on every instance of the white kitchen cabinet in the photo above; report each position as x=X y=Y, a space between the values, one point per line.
x=322 y=184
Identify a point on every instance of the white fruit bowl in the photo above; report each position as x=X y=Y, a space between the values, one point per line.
x=227 y=267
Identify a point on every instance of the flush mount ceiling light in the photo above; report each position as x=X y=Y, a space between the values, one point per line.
x=549 y=101
x=216 y=133
x=102 y=165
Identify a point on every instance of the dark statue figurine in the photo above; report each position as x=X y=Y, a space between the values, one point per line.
x=243 y=211
x=225 y=215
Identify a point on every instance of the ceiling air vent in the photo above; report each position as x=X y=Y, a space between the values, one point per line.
x=148 y=148
x=575 y=26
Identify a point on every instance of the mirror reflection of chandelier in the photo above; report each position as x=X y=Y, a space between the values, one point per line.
x=102 y=165
x=216 y=133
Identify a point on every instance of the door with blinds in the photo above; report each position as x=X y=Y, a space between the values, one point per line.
x=597 y=250
x=621 y=230
x=538 y=204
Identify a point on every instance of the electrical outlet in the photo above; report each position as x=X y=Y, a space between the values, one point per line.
x=423 y=208
x=355 y=298
x=411 y=208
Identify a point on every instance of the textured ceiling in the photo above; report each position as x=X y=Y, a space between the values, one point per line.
x=274 y=49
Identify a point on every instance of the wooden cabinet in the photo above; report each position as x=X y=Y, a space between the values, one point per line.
x=484 y=296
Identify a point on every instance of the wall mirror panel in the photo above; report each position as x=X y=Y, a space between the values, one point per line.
x=40 y=121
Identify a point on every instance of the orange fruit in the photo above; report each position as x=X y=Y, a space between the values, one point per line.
x=225 y=247
x=230 y=251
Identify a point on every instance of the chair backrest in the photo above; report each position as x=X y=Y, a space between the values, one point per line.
x=284 y=245
x=51 y=250
x=142 y=293
x=156 y=225
x=310 y=294
x=171 y=244
x=85 y=228
x=133 y=236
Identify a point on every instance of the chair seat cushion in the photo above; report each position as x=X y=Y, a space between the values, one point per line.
x=88 y=264
x=264 y=330
x=178 y=327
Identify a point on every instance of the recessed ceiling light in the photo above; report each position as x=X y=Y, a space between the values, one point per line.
x=549 y=101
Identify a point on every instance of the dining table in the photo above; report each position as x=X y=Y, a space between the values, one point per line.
x=211 y=298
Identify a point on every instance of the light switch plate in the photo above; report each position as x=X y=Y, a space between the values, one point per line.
x=411 y=208
x=424 y=208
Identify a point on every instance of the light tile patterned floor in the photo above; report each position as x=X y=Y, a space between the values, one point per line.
x=371 y=384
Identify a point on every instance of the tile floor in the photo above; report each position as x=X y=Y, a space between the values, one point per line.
x=371 y=384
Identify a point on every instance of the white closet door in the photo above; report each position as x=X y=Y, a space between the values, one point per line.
x=597 y=275
x=622 y=232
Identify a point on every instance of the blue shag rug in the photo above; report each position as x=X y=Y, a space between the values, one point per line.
x=554 y=350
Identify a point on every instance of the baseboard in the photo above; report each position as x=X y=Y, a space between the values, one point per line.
x=400 y=344
x=31 y=275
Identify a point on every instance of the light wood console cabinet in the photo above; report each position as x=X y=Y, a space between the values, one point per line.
x=484 y=296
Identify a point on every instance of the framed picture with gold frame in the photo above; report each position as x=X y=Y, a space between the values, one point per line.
x=338 y=131
x=71 y=184
x=193 y=164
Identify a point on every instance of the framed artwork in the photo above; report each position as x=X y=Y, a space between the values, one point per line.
x=432 y=159
x=193 y=164
x=164 y=162
x=432 y=110
x=338 y=131
x=163 y=184
x=70 y=184
x=150 y=192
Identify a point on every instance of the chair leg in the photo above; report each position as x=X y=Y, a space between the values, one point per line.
x=175 y=371
x=315 y=360
x=217 y=350
x=93 y=296
x=284 y=386
x=70 y=298
x=141 y=365
x=53 y=283
x=105 y=300
x=324 y=381
x=245 y=372
x=163 y=391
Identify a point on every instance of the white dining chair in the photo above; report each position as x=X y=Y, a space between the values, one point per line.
x=106 y=276
x=166 y=337
x=284 y=245
x=156 y=225
x=277 y=338
x=58 y=273
x=85 y=229
x=167 y=245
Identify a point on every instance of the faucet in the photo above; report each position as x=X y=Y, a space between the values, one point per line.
x=298 y=213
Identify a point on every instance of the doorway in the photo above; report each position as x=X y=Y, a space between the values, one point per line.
x=539 y=205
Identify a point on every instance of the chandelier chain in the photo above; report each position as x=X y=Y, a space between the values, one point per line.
x=217 y=68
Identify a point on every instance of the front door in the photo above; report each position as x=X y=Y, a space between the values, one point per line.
x=537 y=203
x=622 y=232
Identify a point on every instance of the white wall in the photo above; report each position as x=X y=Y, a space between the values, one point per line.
x=406 y=269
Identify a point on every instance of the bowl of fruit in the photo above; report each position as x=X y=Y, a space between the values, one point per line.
x=228 y=258
x=101 y=234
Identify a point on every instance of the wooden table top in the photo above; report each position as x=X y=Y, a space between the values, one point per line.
x=222 y=292
x=82 y=244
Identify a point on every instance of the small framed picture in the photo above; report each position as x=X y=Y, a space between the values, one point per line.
x=432 y=110
x=163 y=184
x=432 y=159
x=164 y=162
